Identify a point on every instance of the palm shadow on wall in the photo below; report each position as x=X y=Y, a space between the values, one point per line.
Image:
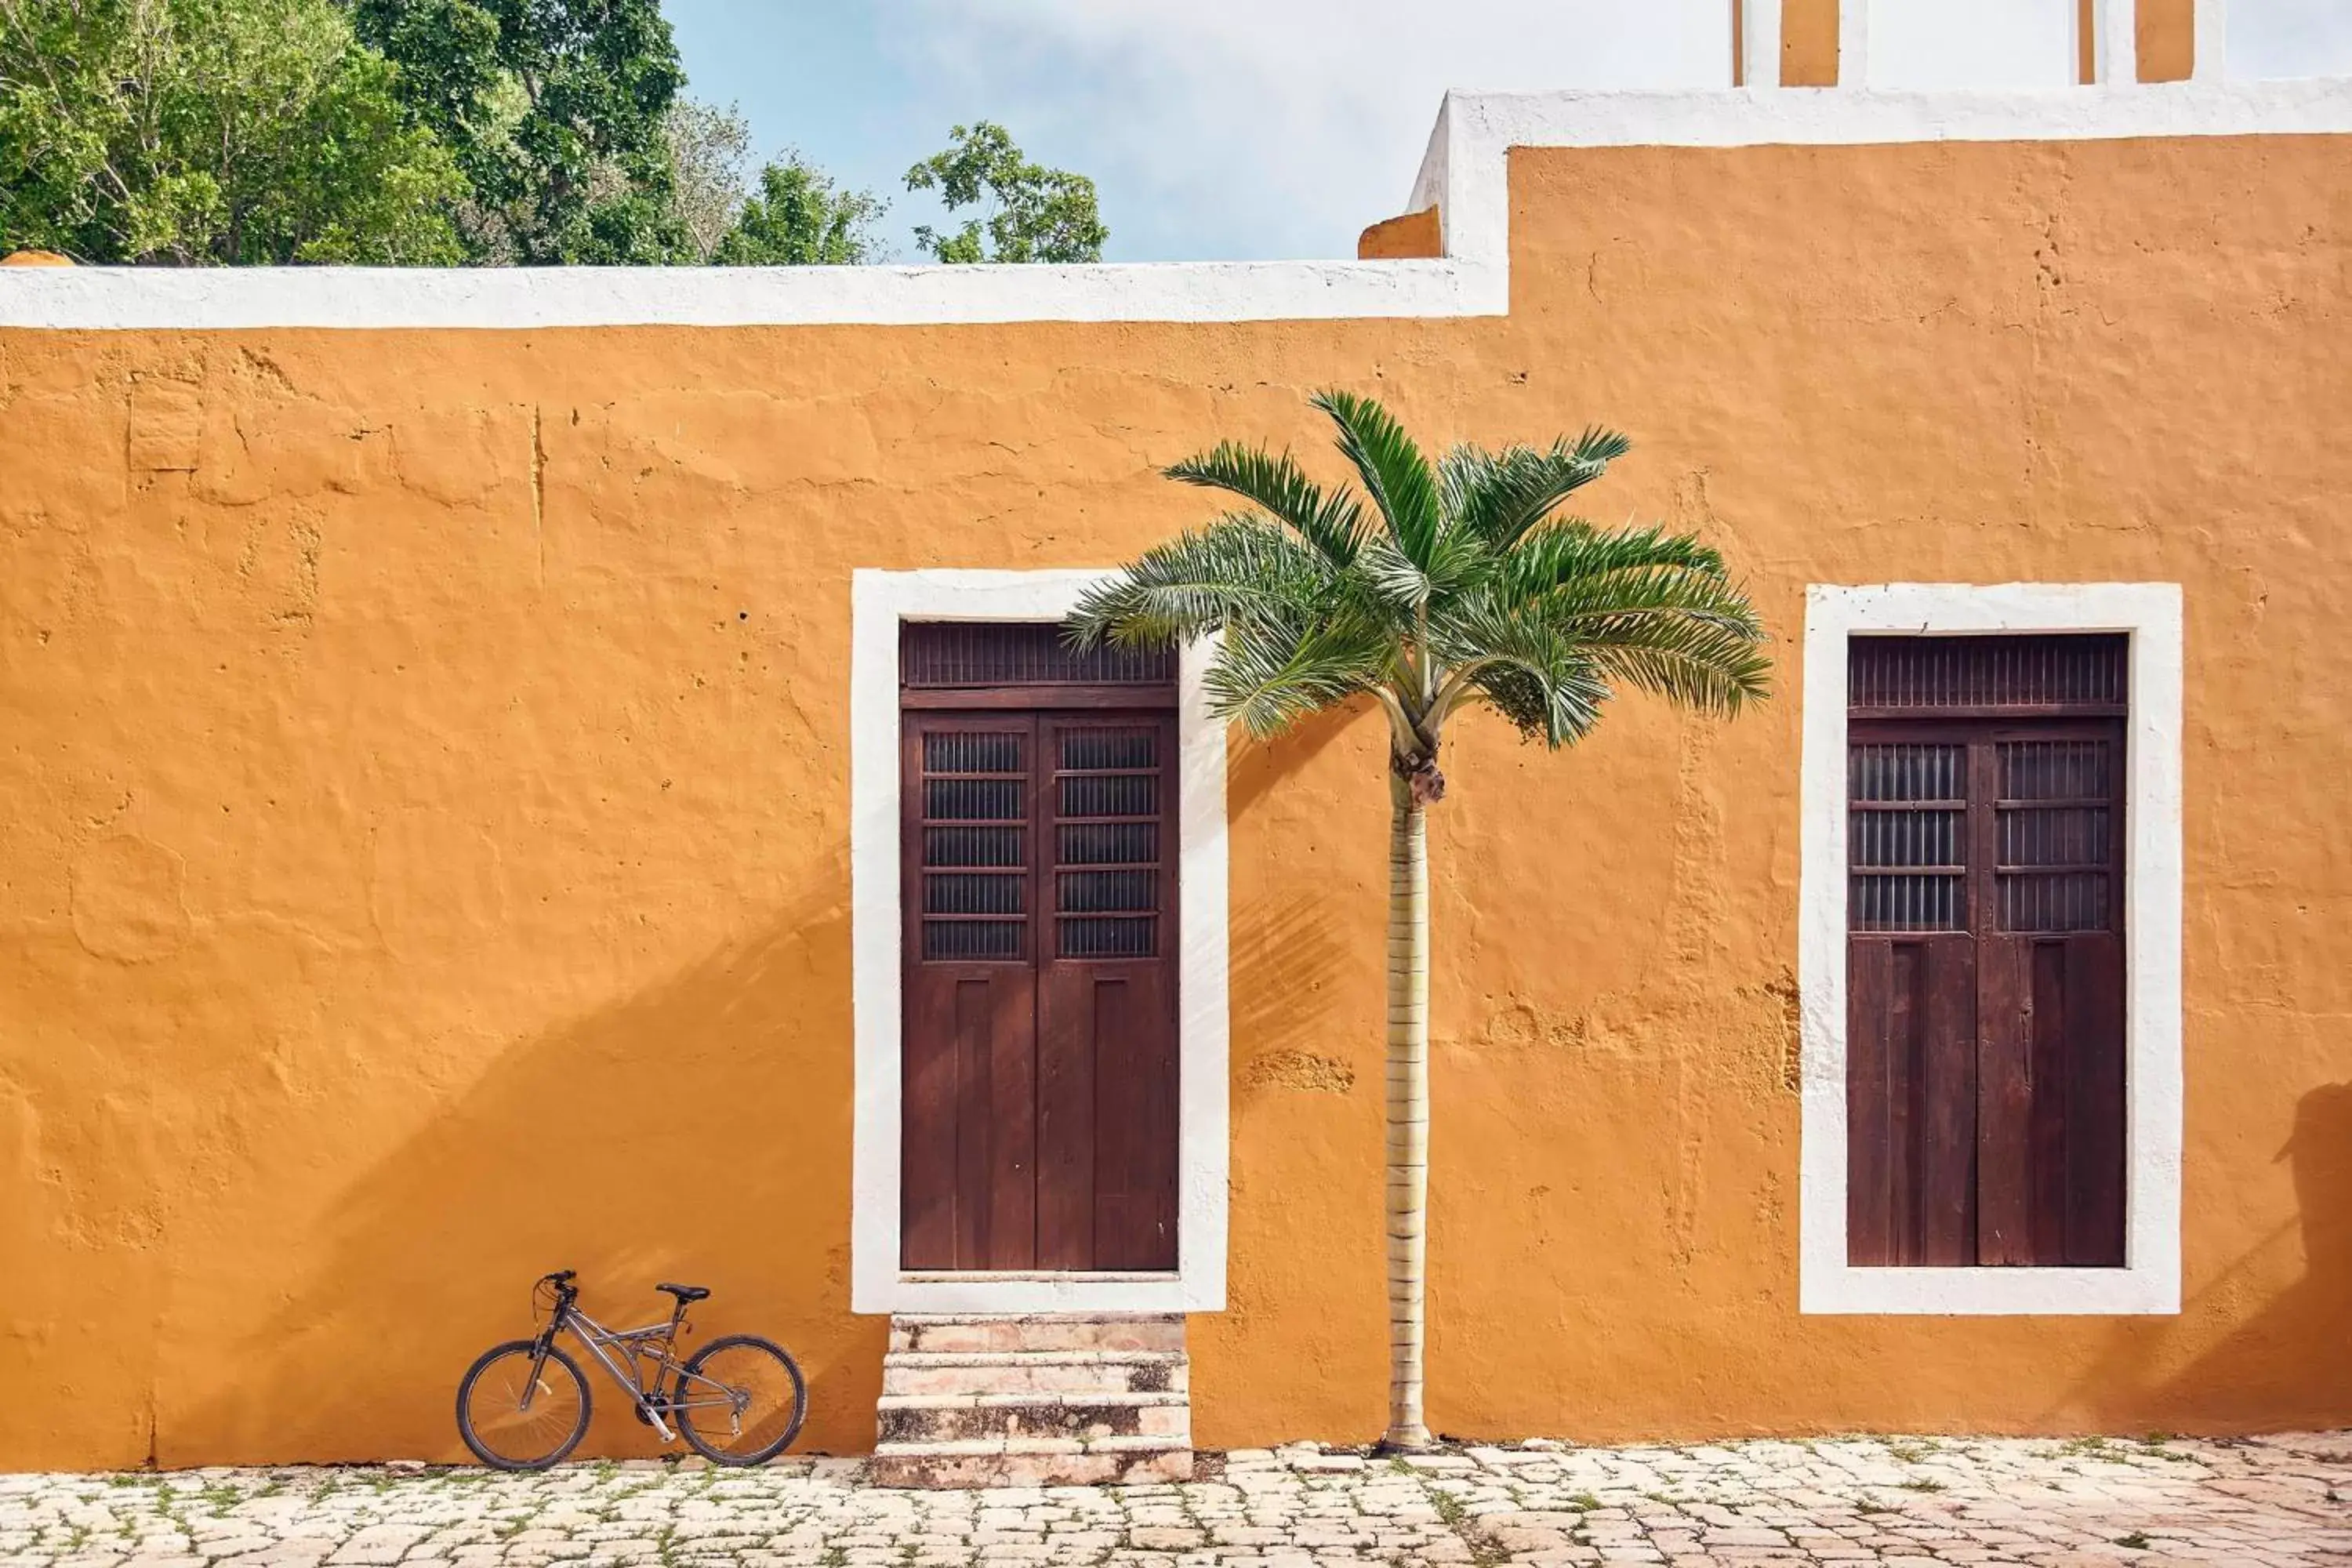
x=2287 y=1366
x=697 y=1131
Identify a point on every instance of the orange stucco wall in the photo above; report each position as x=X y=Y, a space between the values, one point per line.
x=1402 y=237
x=423 y=813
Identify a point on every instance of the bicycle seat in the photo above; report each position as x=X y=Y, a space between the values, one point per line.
x=685 y=1293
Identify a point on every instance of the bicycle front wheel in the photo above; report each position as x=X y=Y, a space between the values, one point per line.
x=518 y=1412
x=740 y=1401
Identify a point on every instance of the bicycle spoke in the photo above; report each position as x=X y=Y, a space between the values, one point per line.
x=741 y=1399
x=518 y=1418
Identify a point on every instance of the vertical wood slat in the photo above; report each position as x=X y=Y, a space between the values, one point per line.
x=1870 y=1160
x=2004 y=1102
x=2094 y=1102
x=2052 y=1019
x=1946 y=1078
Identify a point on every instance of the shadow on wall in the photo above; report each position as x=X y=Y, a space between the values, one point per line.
x=2284 y=1366
x=699 y=1130
x=1262 y=766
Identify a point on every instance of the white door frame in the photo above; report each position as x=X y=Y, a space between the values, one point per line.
x=880 y=602
x=2149 y=1281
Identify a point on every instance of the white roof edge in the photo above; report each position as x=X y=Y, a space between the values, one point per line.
x=1463 y=172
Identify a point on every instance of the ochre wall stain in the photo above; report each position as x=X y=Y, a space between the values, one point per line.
x=425 y=801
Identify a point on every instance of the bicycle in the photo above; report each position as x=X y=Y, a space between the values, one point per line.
x=524 y=1405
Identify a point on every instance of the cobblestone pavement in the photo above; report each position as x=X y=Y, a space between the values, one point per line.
x=2269 y=1500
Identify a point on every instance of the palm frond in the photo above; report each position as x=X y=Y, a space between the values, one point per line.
x=1402 y=484
x=1572 y=552
x=1269 y=673
x=1239 y=568
x=1715 y=664
x=1332 y=521
x=1501 y=495
x=1542 y=681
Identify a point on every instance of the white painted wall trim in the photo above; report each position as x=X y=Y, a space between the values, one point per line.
x=1759 y=43
x=1465 y=172
x=2149 y=1283
x=1853 y=43
x=880 y=601
x=2115 y=41
x=2209 y=42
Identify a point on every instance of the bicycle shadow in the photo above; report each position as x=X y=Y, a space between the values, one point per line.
x=697 y=1131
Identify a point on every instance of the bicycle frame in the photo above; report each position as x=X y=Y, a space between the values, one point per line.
x=650 y=1401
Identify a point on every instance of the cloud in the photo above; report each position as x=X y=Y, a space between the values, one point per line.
x=1257 y=128
x=1280 y=127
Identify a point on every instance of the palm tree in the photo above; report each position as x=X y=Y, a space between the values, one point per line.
x=1439 y=586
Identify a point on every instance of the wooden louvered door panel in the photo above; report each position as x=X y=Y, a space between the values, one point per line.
x=1107 y=998
x=1039 y=1119
x=968 y=1079
x=2052 y=1109
x=1985 y=952
x=1911 y=1003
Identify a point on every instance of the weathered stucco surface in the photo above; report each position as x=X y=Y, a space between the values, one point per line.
x=423 y=817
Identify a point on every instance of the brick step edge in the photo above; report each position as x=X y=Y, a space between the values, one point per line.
x=1017 y=1400
x=918 y=1467
x=1090 y=1419
x=1033 y=1358
x=970 y=1332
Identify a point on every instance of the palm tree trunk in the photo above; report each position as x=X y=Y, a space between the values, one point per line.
x=1408 y=1108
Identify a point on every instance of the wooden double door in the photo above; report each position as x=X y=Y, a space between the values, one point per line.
x=1986 y=953
x=1039 y=1129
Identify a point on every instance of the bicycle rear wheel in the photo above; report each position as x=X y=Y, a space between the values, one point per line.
x=516 y=1421
x=740 y=1401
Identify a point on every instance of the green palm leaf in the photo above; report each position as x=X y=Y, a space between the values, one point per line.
x=1239 y=568
x=1396 y=474
x=1501 y=495
x=1434 y=587
x=1332 y=522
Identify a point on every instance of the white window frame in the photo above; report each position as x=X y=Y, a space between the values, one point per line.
x=880 y=602
x=2149 y=1281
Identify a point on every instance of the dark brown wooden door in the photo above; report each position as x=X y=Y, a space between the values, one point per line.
x=1985 y=1011
x=1039 y=1121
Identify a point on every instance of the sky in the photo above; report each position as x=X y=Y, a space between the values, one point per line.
x=1230 y=129
x=1214 y=129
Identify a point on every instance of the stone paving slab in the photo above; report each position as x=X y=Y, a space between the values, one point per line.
x=2268 y=1502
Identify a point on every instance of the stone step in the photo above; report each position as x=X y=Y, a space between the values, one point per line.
x=954 y=1418
x=1036 y=1400
x=1027 y=1372
x=1030 y=1462
x=950 y=1332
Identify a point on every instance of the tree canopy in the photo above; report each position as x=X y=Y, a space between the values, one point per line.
x=486 y=132
x=1029 y=212
x=555 y=112
x=240 y=132
x=1440 y=585
x=799 y=218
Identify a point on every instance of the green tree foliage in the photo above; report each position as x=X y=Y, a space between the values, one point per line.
x=709 y=149
x=211 y=132
x=1029 y=212
x=799 y=218
x=556 y=111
